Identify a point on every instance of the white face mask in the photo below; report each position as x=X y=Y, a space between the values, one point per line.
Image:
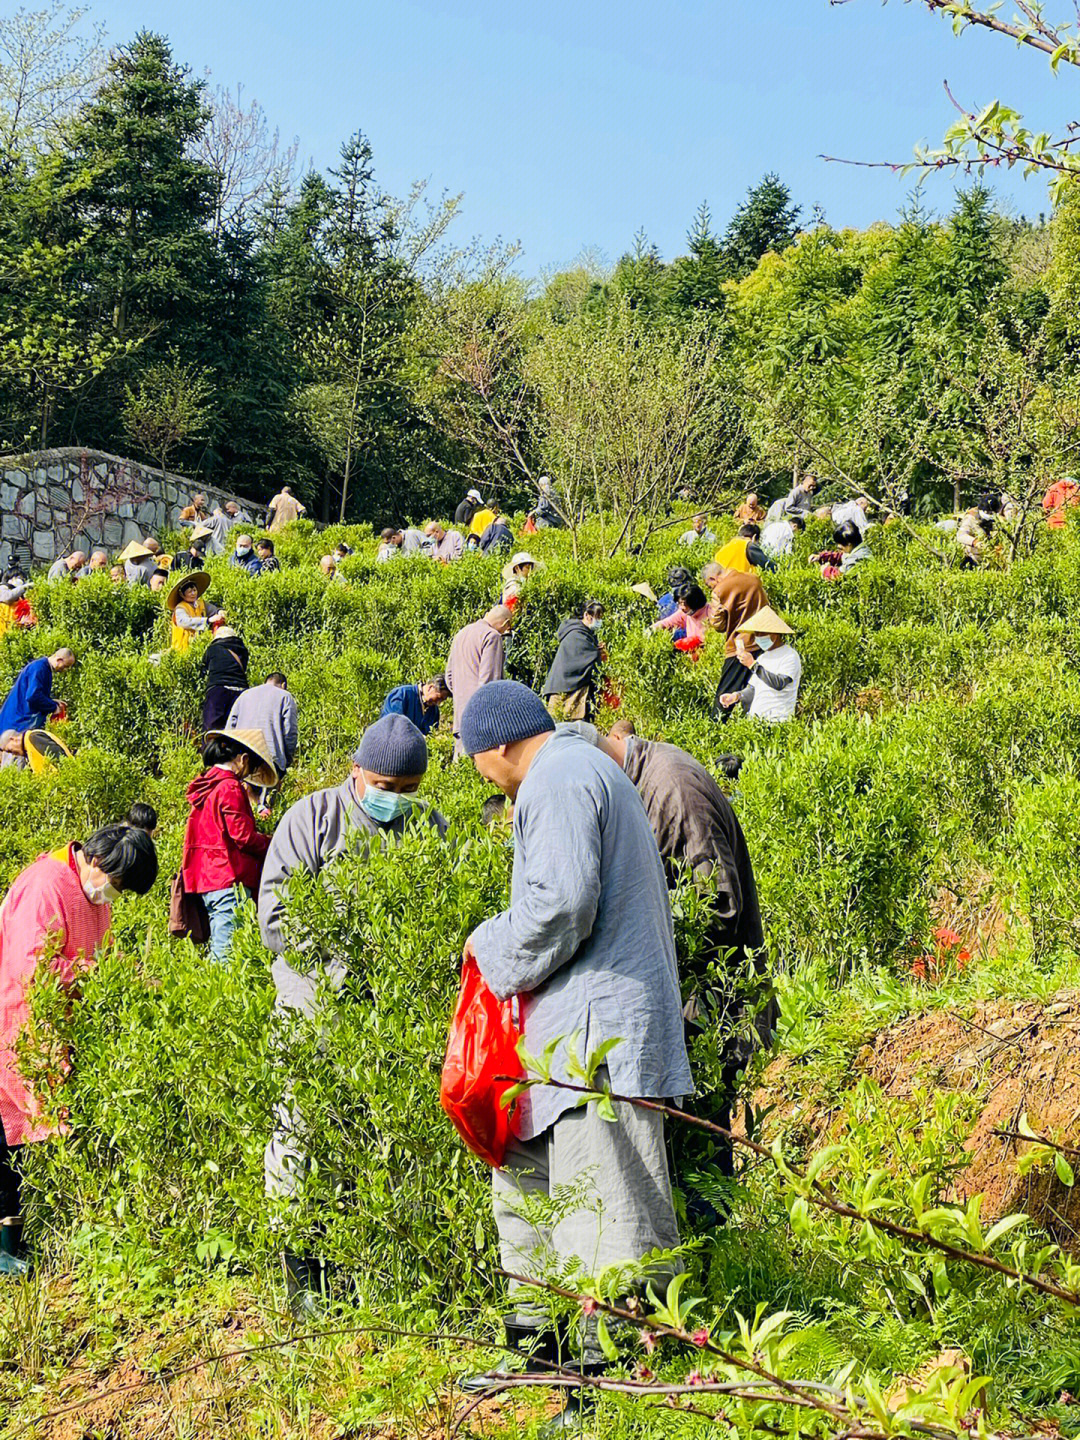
x=765 y=642
x=100 y=894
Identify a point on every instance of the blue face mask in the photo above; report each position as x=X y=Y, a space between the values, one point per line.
x=385 y=805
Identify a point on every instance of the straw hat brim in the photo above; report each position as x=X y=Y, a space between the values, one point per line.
x=521 y=558
x=133 y=550
x=644 y=588
x=201 y=532
x=199 y=578
x=255 y=742
x=765 y=622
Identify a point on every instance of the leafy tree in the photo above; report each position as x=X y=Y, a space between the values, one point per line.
x=166 y=408
x=48 y=64
x=766 y=220
x=697 y=280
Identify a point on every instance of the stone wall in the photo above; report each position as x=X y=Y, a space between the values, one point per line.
x=55 y=501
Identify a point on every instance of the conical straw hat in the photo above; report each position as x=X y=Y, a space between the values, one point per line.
x=644 y=588
x=199 y=578
x=765 y=622
x=255 y=741
x=133 y=550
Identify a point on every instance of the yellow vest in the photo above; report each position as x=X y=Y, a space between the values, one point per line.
x=181 y=638
x=733 y=556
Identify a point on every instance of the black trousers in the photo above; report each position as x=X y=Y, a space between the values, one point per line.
x=216 y=706
x=734 y=677
x=10 y=1182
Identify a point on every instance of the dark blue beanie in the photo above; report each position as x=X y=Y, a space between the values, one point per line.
x=393 y=746
x=501 y=713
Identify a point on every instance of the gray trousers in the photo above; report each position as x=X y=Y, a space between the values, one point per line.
x=622 y=1210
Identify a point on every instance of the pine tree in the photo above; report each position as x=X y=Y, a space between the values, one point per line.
x=766 y=220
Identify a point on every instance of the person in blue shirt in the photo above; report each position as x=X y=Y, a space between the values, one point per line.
x=419 y=703
x=30 y=704
x=244 y=557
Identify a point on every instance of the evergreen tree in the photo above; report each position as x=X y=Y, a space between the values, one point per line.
x=766 y=220
x=697 y=279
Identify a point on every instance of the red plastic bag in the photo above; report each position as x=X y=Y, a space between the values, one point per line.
x=612 y=696
x=529 y=528
x=482 y=1044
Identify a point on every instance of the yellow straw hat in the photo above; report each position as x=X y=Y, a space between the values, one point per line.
x=644 y=588
x=201 y=532
x=133 y=550
x=255 y=741
x=199 y=578
x=765 y=622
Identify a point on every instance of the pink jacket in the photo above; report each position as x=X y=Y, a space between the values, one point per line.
x=45 y=901
x=476 y=657
x=694 y=625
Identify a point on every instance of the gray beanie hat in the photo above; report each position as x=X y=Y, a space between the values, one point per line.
x=394 y=747
x=501 y=713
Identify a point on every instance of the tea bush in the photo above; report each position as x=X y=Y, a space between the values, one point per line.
x=938 y=707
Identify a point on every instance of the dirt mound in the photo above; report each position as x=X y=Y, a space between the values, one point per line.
x=1010 y=1058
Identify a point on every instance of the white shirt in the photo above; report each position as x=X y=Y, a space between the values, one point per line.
x=691 y=537
x=778 y=538
x=767 y=703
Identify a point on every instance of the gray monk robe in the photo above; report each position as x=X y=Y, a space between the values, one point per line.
x=312 y=833
x=587 y=944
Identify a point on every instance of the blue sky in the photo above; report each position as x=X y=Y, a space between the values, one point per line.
x=572 y=125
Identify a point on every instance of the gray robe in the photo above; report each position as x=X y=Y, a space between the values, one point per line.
x=588 y=942
x=311 y=833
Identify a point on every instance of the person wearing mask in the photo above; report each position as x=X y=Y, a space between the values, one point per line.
x=773 y=668
x=477 y=657
x=734 y=597
x=496 y=535
x=751 y=511
x=372 y=806
x=778 y=537
x=224 y=663
x=688 y=619
x=699 y=532
x=587 y=945
x=400 y=542
x=69 y=567
x=189 y=609
x=472 y=545
x=193 y=558
x=851 y=550
x=283 y=509
x=223 y=849
x=244 y=557
x=570 y=686
x=59 y=906
x=449 y=544
x=268 y=560
x=30 y=704
x=419 y=703
x=269 y=708
x=467 y=508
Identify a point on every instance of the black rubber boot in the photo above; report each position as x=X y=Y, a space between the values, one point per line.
x=305 y=1286
x=529 y=1344
x=576 y=1413
x=14 y=1256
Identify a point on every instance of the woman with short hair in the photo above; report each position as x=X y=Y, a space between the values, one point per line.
x=57 y=907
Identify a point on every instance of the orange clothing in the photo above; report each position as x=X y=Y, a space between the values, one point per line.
x=1061 y=495
x=735 y=597
x=750 y=514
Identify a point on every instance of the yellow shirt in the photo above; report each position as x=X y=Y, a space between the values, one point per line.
x=733 y=556
x=480 y=521
x=181 y=638
x=7 y=617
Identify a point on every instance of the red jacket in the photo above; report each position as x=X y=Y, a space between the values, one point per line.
x=222 y=845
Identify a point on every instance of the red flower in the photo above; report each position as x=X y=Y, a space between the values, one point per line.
x=962 y=958
x=589 y=1306
x=700 y=1337
x=946 y=938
